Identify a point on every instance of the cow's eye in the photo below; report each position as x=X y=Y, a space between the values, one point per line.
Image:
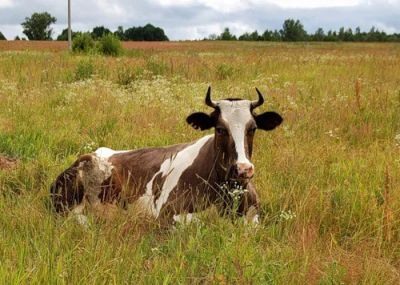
x=251 y=131
x=221 y=131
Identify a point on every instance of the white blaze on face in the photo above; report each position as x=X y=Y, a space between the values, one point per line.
x=237 y=115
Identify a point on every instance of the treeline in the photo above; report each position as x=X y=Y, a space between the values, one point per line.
x=2 y=37
x=146 y=33
x=293 y=30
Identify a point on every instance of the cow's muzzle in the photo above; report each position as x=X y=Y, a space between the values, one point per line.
x=244 y=171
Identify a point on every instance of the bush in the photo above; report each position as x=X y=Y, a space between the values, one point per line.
x=83 y=43
x=110 y=45
x=84 y=70
x=126 y=74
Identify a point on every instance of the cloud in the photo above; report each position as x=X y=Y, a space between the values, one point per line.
x=312 y=4
x=196 y=19
x=5 y=3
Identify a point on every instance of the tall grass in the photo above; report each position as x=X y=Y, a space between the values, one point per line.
x=328 y=177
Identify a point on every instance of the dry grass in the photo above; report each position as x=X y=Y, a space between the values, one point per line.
x=328 y=178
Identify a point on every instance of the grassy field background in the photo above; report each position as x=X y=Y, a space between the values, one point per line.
x=329 y=177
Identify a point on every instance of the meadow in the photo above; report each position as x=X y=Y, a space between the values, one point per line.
x=328 y=178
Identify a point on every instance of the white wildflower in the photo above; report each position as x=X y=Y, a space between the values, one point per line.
x=287 y=215
x=397 y=139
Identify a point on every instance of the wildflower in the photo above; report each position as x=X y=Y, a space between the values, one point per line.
x=89 y=147
x=234 y=190
x=397 y=139
x=287 y=216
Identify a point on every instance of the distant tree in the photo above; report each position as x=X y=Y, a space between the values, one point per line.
x=293 y=31
x=319 y=35
x=16 y=38
x=245 y=37
x=276 y=36
x=267 y=35
x=255 y=36
x=99 y=31
x=146 y=33
x=227 y=36
x=2 y=37
x=64 y=35
x=119 y=33
x=37 y=27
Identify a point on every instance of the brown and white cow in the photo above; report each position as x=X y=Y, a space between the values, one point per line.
x=167 y=182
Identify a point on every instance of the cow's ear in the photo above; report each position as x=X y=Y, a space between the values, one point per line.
x=268 y=121
x=200 y=121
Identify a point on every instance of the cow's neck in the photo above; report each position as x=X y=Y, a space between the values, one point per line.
x=210 y=164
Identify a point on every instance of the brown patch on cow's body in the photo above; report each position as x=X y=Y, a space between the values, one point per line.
x=132 y=170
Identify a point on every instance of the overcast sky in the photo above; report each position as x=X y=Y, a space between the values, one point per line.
x=196 y=19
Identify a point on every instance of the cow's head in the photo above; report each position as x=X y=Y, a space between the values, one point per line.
x=235 y=124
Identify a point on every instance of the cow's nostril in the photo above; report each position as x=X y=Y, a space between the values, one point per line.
x=245 y=170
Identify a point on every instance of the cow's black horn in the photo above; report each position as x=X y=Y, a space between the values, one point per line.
x=210 y=102
x=259 y=102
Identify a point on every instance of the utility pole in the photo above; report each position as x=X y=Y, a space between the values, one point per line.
x=69 y=26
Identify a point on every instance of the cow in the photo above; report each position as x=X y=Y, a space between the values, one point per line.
x=171 y=183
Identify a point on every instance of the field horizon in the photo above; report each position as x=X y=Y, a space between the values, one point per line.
x=328 y=178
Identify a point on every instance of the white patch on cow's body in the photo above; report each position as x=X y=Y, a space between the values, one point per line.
x=237 y=114
x=106 y=153
x=171 y=169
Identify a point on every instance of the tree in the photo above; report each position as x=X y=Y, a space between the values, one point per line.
x=293 y=31
x=319 y=35
x=2 y=37
x=119 y=33
x=227 y=36
x=64 y=35
x=146 y=33
x=37 y=27
x=99 y=32
x=245 y=37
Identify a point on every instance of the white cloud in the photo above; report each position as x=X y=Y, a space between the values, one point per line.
x=383 y=27
x=223 y=6
x=226 y=6
x=111 y=8
x=310 y=4
x=6 y=3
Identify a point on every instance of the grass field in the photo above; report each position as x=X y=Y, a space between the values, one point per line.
x=329 y=177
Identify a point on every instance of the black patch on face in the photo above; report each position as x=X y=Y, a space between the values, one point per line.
x=203 y=121
x=268 y=121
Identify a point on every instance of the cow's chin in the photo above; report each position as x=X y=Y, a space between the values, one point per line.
x=242 y=181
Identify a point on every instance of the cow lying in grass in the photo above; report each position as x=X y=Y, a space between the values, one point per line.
x=171 y=182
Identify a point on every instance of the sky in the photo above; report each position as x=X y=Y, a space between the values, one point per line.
x=196 y=19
